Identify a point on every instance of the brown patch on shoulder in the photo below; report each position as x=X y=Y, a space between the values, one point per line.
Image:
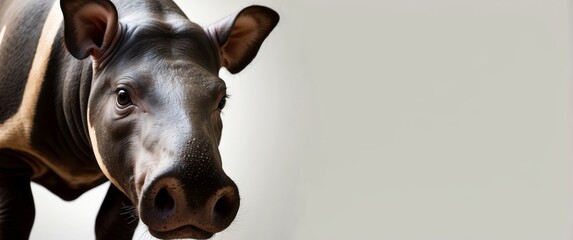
x=15 y=132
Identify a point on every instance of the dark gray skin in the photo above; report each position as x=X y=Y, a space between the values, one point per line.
x=125 y=91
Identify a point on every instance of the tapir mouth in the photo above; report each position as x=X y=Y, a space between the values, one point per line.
x=187 y=231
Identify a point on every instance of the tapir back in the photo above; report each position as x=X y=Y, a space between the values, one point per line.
x=17 y=50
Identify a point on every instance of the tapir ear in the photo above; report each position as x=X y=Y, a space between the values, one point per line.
x=239 y=37
x=89 y=26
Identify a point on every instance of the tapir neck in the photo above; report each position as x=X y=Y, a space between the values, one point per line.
x=67 y=84
x=60 y=125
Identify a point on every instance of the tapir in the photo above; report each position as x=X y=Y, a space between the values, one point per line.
x=126 y=91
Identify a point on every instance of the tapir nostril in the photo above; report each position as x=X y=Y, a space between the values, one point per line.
x=163 y=201
x=223 y=207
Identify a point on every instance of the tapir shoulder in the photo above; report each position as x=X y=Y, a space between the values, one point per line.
x=31 y=37
x=25 y=47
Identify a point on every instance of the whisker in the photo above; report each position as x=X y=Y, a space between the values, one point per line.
x=129 y=210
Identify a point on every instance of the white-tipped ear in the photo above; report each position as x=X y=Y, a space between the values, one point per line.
x=239 y=37
x=89 y=26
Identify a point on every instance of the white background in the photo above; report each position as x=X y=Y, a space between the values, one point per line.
x=391 y=119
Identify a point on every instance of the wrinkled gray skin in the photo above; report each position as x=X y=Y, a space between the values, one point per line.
x=128 y=92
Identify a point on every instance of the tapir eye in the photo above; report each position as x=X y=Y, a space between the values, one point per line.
x=222 y=102
x=123 y=98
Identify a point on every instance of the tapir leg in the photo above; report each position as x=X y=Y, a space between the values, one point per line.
x=17 y=210
x=115 y=219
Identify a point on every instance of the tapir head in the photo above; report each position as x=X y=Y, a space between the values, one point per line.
x=155 y=104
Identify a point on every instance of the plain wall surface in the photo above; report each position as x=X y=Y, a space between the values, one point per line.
x=410 y=120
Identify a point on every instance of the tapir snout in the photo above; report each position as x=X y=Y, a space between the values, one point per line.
x=174 y=205
x=184 y=191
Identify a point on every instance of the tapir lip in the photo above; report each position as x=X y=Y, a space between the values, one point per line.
x=187 y=231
